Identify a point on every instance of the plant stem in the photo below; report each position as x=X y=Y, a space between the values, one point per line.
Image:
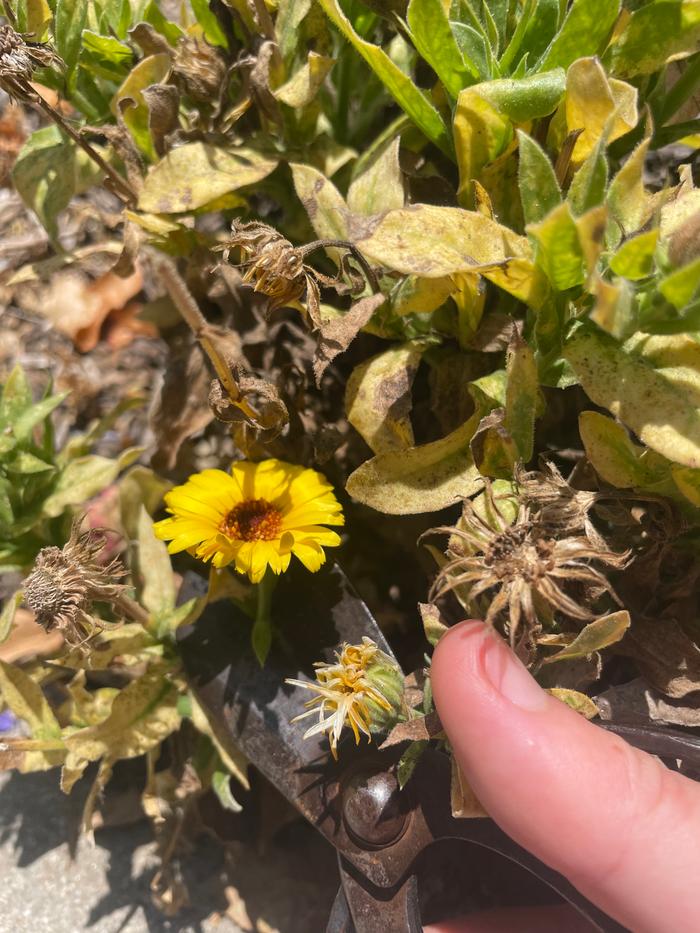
x=121 y=186
x=261 y=636
x=129 y=607
x=185 y=303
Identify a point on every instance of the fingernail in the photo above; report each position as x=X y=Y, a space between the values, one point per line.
x=509 y=676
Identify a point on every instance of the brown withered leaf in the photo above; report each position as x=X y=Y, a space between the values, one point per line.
x=78 y=307
x=463 y=800
x=181 y=408
x=667 y=657
x=415 y=730
x=636 y=703
x=259 y=403
x=336 y=335
x=163 y=102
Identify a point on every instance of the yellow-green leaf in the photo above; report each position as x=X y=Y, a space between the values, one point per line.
x=229 y=753
x=616 y=458
x=84 y=478
x=523 y=396
x=322 y=201
x=433 y=242
x=305 y=84
x=7 y=615
x=560 y=253
x=594 y=637
x=635 y=258
x=433 y=626
x=651 y=384
x=144 y=713
x=579 y=702
x=597 y=105
x=380 y=187
x=378 y=397
x=654 y=34
x=157 y=583
x=195 y=174
x=129 y=99
x=419 y=479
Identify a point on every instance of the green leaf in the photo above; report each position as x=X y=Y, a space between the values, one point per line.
x=26 y=462
x=7 y=616
x=16 y=396
x=682 y=285
x=209 y=22
x=653 y=35
x=290 y=15
x=642 y=384
x=221 y=785
x=595 y=636
x=105 y=56
x=378 y=397
x=195 y=174
x=261 y=639
x=523 y=396
x=25 y=423
x=407 y=762
x=539 y=189
x=158 y=590
x=85 y=477
x=590 y=182
x=419 y=479
x=71 y=17
x=475 y=49
x=536 y=28
x=409 y=97
x=524 y=99
x=584 y=32
x=433 y=38
x=635 y=258
x=228 y=751
x=49 y=171
x=559 y=253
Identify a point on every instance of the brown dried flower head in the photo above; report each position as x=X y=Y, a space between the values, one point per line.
x=19 y=58
x=65 y=581
x=199 y=69
x=278 y=269
x=523 y=568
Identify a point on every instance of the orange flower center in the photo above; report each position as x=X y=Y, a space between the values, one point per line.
x=253 y=520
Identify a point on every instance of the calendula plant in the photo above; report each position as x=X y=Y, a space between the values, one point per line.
x=428 y=272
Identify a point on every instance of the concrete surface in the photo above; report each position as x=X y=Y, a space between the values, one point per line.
x=105 y=889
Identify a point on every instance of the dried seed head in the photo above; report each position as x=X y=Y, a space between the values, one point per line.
x=524 y=568
x=65 y=581
x=199 y=69
x=278 y=269
x=274 y=266
x=556 y=504
x=19 y=59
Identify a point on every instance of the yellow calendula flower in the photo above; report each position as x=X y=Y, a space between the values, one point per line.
x=363 y=688
x=255 y=517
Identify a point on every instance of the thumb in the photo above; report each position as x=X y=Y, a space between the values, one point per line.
x=619 y=825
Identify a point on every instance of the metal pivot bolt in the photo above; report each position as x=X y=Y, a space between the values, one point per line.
x=373 y=808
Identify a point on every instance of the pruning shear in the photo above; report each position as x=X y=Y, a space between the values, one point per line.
x=378 y=830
